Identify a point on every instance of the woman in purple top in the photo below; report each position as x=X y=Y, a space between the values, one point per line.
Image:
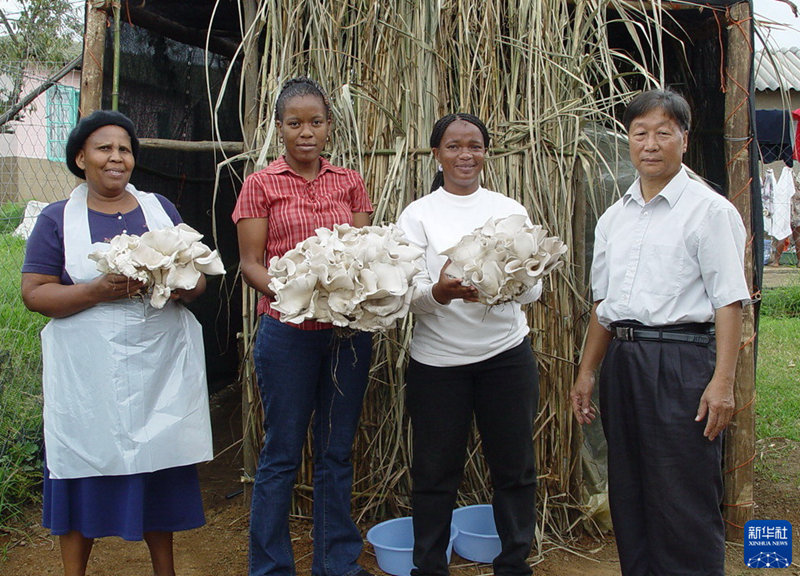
x=125 y=399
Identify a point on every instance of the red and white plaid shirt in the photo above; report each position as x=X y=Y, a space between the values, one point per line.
x=295 y=207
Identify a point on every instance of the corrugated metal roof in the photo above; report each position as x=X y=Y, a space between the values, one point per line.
x=778 y=68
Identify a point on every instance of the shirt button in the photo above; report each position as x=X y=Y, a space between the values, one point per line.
x=119 y=217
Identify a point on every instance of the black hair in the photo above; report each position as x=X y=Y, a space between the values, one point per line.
x=300 y=86
x=672 y=103
x=438 y=133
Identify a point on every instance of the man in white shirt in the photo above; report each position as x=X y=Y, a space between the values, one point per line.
x=668 y=287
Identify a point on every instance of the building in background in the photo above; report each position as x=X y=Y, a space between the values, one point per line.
x=32 y=146
x=777 y=76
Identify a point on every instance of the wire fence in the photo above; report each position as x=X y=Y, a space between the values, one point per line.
x=32 y=174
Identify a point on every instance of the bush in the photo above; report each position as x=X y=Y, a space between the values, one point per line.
x=782 y=302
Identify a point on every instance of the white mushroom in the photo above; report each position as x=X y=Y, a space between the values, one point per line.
x=181 y=277
x=210 y=264
x=487 y=278
x=150 y=258
x=165 y=260
x=504 y=258
x=294 y=298
x=361 y=276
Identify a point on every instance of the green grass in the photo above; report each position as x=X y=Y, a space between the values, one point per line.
x=782 y=302
x=778 y=364
x=10 y=216
x=20 y=387
x=778 y=378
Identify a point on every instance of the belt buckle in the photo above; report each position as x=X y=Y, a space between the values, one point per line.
x=625 y=333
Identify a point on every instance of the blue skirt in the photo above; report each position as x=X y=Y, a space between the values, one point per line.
x=126 y=506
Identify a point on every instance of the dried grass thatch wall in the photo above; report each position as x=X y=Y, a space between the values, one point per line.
x=539 y=74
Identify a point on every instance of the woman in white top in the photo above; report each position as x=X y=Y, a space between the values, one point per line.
x=467 y=359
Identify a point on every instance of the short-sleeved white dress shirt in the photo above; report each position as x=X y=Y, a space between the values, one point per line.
x=673 y=260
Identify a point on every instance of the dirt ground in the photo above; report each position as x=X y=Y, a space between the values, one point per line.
x=220 y=547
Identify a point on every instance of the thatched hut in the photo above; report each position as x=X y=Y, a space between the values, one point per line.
x=549 y=78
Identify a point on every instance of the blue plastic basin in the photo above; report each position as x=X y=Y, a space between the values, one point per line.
x=477 y=538
x=393 y=542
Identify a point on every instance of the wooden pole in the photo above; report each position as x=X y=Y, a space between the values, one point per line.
x=740 y=436
x=94 y=40
x=116 y=71
x=191 y=146
x=249 y=384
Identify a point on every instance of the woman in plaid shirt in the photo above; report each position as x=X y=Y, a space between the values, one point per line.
x=302 y=368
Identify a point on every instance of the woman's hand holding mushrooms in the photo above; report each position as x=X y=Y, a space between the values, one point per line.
x=449 y=288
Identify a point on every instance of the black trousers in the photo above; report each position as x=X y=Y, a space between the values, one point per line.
x=664 y=476
x=503 y=394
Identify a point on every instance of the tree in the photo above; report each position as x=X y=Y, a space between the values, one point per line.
x=46 y=32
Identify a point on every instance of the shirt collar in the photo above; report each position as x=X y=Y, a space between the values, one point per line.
x=281 y=166
x=475 y=194
x=671 y=192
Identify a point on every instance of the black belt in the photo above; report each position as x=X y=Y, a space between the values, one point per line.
x=631 y=334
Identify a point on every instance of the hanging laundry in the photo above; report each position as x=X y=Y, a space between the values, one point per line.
x=782 y=205
x=768 y=205
x=768 y=199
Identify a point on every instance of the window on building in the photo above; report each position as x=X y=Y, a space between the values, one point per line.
x=62 y=114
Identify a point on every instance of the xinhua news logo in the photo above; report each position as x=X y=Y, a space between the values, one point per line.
x=767 y=544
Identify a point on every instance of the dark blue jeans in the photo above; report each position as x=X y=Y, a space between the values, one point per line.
x=301 y=372
x=503 y=395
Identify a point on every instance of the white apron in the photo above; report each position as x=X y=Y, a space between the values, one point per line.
x=124 y=383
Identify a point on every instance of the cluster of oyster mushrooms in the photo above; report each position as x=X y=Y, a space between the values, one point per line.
x=359 y=278
x=504 y=258
x=165 y=260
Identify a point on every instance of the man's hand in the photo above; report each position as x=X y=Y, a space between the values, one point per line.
x=581 y=398
x=717 y=404
x=597 y=340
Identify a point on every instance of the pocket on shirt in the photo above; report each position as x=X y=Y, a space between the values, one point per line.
x=662 y=267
